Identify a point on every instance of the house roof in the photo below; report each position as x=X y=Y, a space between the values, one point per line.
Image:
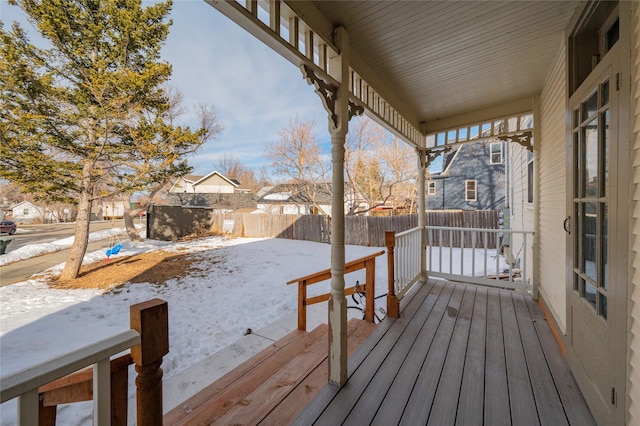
x=294 y=193
x=192 y=178
x=232 y=182
x=21 y=203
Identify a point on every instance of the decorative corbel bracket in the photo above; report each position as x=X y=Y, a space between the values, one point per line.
x=355 y=109
x=521 y=138
x=327 y=92
x=430 y=155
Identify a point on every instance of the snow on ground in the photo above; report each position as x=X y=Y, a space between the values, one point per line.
x=237 y=283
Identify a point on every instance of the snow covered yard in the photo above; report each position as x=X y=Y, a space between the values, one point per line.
x=235 y=284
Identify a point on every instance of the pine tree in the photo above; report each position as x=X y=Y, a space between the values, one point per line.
x=74 y=114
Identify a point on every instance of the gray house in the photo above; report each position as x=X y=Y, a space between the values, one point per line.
x=472 y=178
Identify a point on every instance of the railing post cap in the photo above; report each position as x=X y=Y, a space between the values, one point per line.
x=151 y=320
x=389 y=238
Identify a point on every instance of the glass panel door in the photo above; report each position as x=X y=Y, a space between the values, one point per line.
x=590 y=198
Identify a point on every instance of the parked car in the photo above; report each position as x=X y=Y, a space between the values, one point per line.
x=8 y=227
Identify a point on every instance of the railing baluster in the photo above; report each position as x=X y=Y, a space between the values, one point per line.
x=462 y=244
x=473 y=254
x=28 y=408
x=102 y=392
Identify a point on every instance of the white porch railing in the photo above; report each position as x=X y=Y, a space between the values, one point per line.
x=407 y=260
x=24 y=384
x=492 y=257
x=148 y=341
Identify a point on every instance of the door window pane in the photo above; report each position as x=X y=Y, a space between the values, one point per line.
x=604 y=97
x=590 y=140
x=605 y=154
x=603 y=254
x=602 y=305
x=590 y=106
x=590 y=294
x=589 y=239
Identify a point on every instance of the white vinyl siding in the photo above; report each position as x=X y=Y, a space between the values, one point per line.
x=552 y=181
x=633 y=389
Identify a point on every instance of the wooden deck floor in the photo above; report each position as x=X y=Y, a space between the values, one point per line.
x=270 y=388
x=459 y=354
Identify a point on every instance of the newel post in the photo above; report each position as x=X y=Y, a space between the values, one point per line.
x=151 y=320
x=393 y=304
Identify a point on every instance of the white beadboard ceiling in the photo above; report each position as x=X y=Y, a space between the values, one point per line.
x=446 y=58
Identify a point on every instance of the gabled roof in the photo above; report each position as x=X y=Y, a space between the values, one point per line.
x=295 y=193
x=191 y=178
x=232 y=182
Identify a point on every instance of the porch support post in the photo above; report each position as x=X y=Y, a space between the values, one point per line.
x=338 y=131
x=535 y=269
x=422 y=216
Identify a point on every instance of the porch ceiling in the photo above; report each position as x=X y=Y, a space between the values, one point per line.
x=442 y=59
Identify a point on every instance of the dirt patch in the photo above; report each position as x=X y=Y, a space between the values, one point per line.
x=153 y=267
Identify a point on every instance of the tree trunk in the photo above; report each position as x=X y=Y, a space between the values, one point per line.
x=81 y=238
x=132 y=233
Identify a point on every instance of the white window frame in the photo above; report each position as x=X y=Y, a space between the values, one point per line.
x=491 y=153
x=431 y=189
x=467 y=190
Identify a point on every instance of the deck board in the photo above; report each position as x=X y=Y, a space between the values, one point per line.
x=378 y=388
x=471 y=400
x=421 y=399
x=459 y=354
x=550 y=411
x=445 y=405
x=394 y=403
x=496 y=402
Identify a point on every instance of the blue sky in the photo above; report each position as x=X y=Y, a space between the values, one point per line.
x=254 y=90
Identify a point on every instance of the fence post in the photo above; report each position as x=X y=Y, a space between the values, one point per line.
x=151 y=320
x=393 y=305
x=370 y=289
x=302 y=305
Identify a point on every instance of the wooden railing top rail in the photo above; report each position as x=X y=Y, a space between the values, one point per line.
x=325 y=274
x=33 y=377
x=367 y=262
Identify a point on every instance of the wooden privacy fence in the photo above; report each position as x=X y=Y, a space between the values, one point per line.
x=173 y=222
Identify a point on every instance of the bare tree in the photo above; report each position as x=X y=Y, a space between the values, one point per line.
x=230 y=166
x=379 y=169
x=297 y=156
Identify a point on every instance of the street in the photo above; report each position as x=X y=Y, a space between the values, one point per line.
x=46 y=233
x=21 y=270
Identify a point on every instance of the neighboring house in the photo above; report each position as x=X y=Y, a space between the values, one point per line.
x=27 y=212
x=295 y=199
x=472 y=178
x=213 y=183
x=213 y=190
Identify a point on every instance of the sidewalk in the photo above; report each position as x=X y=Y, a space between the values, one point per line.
x=23 y=269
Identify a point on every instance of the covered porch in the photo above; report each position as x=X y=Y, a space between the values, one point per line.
x=458 y=354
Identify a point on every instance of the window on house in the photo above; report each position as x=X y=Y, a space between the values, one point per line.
x=25 y=212
x=496 y=152
x=530 y=178
x=432 y=188
x=470 y=193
